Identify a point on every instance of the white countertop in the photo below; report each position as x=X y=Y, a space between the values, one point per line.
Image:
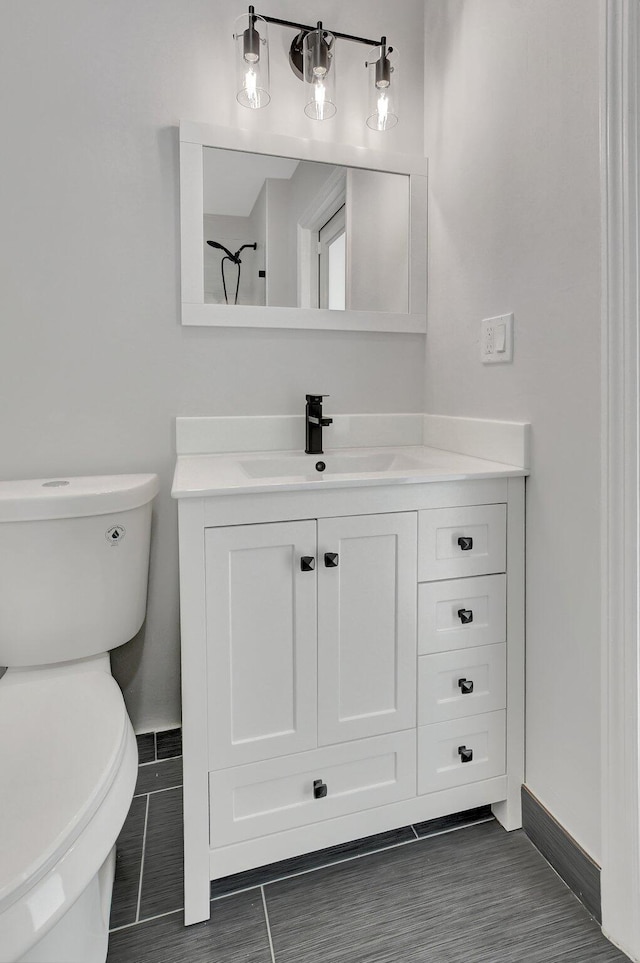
x=199 y=475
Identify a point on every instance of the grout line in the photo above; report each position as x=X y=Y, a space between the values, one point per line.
x=154 y=762
x=147 y=919
x=152 y=792
x=244 y=889
x=144 y=846
x=454 y=829
x=266 y=919
x=314 y=869
x=303 y=872
x=349 y=859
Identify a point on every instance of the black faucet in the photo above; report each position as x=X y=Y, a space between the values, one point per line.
x=314 y=423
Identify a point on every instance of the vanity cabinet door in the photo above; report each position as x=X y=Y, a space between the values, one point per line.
x=261 y=641
x=366 y=626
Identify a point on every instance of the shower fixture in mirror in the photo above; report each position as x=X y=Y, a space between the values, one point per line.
x=290 y=233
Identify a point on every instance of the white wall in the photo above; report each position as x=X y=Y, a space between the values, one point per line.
x=378 y=241
x=512 y=136
x=281 y=272
x=287 y=202
x=94 y=364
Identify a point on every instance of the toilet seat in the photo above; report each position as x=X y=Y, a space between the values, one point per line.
x=70 y=745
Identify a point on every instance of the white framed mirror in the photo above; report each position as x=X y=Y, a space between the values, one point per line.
x=283 y=232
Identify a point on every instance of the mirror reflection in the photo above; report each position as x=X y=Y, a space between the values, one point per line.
x=288 y=233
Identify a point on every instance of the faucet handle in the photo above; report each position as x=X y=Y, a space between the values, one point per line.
x=316 y=398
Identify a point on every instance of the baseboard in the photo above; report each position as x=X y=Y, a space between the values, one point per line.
x=571 y=863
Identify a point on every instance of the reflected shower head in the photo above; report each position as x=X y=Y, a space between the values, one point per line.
x=234 y=257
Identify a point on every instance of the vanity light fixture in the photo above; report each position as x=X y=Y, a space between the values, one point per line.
x=319 y=73
x=312 y=59
x=252 y=60
x=382 y=64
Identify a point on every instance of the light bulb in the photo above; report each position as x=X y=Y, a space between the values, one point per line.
x=251 y=87
x=383 y=96
x=252 y=61
x=319 y=73
x=383 y=109
x=319 y=95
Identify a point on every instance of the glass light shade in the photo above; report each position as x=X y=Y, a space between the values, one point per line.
x=383 y=88
x=319 y=74
x=252 y=61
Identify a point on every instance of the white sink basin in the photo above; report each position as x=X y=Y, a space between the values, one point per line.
x=262 y=471
x=352 y=463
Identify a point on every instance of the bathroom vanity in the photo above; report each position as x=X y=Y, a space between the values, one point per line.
x=352 y=646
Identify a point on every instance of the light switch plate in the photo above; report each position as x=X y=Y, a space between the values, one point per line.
x=496 y=339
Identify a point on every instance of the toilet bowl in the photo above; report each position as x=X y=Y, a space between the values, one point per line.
x=68 y=756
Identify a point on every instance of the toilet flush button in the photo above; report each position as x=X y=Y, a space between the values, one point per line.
x=115 y=534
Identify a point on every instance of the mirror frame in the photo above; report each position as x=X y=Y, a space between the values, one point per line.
x=194 y=137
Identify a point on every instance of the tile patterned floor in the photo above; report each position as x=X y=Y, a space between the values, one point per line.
x=422 y=894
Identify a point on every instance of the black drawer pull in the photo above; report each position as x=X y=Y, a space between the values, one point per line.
x=331 y=559
x=319 y=789
x=466 y=686
x=465 y=616
x=466 y=755
x=465 y=543
x=307 y=563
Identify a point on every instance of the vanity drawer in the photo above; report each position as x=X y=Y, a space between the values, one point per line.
x=442 y=747
x=461 y=613
x=456 y=542
x=452 y=685
x=278 y=794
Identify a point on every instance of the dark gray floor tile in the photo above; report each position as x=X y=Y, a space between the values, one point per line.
x=455 y=821
x=159 y=775
x=479 y=895
x=146 y=747
x=169 y=743
x=310 y=861
x=124 y=903
x=162 y=869
x=236 y=933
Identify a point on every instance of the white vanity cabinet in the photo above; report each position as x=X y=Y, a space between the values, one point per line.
x=261 y=641
x=352 y=662
x=311 y=634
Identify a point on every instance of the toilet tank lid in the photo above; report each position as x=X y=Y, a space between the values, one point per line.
x=74 y=497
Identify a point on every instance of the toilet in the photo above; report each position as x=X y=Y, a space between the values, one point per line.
x=74 y=559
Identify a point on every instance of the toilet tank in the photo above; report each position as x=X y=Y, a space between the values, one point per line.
x=74 y=562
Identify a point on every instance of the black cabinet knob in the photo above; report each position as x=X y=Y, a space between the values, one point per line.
x=465 y=543
x=466 y=755
x=465 y=616
x=319 y=789
x=307 y=563
x=331 y=559
x=466 y=686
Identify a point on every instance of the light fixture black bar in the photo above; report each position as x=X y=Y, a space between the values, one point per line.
x=305 y=26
